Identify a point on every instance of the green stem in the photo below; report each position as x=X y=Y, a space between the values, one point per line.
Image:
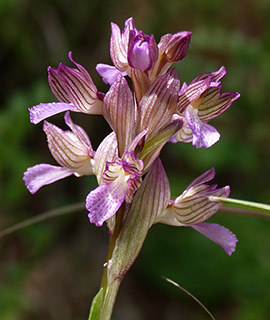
x=43 y=216
x=109 y=299
x=242 y=204
x=110 y=287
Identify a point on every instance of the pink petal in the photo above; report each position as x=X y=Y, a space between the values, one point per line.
x=56 y=86
x=118 y=47
x=119 y=111
x=42 y=174
x=204 y=135
x=205 y=177
x=108 y=73
x=103 y=202
x=189 y=94
x=106 y=152
x=215 y=76
x=79 y=133
x=176 y=48
x=219 y=234
x=45 y=110
x=157 y=106
x=80 y=88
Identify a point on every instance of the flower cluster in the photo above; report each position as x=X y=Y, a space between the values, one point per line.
x=157 y=110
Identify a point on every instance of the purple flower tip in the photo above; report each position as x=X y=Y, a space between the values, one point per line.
x=142 y=51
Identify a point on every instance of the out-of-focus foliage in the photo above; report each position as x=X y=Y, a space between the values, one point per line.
x=51 y=270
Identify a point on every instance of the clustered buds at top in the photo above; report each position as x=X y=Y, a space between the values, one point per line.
x=132 y=49
x=126 y=163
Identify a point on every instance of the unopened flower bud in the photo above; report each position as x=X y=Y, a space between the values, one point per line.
x=142 y=51
x=176 y=48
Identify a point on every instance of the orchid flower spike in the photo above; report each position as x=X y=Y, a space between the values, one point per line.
x=74 y=89
x=193 y=207
x=199 y=103
x=71 y=149
x=143 y=114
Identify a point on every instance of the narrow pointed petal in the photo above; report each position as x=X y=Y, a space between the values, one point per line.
x=106 y=152
x=190 y=93
x=157 y=106
x=193 y=205
x=215 y=76
x=103 y=202
x=204 y=135
x=205 y=177
x=80 y=87
x=196 y=207
x=43 y=174
x=45 y=110
x=129 y=26
x=213 y=103
x=119 y=111
x=118 y=49
x=56 y=86
x=109 y=73
x=218 y=234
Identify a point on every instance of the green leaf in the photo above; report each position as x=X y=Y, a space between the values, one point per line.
x=242 y=204
x=95 y=310
x=147 y=205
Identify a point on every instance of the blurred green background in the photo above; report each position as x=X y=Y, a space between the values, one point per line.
x=52 y=270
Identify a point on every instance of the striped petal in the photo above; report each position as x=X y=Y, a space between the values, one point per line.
x=177 y=46
x=119 y=44
x=193 y=205
x=80 y=88
x=205 y=177
x=107 y=151
x=70 y=149
x=218 y=234
x=172 y=48
x=157 y=106
x=42 y=174
x=189 y=94
x=80 y=134
x=215 y=76
x=213 y=103
x=56 y=85
x=119 y=111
